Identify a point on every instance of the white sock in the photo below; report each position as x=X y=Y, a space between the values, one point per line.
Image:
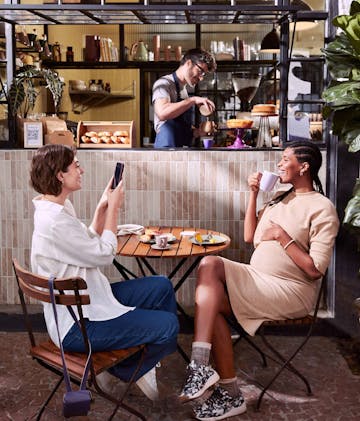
x=200 y=352
x=231 y=386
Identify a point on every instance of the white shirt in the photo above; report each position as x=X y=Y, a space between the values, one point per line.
x=64 y=247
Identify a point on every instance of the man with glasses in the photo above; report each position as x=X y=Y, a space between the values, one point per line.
x=172 y=104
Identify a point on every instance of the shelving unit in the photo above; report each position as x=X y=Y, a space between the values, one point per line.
x=278 y=13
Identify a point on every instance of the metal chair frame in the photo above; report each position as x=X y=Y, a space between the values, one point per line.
x=48 y=355
x=283 y=361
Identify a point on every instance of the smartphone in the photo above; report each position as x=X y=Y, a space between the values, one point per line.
x=117 y=174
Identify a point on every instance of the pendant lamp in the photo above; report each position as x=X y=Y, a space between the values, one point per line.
x=271 y=42
x=301 y=23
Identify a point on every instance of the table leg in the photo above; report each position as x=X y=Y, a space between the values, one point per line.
x=123 y=270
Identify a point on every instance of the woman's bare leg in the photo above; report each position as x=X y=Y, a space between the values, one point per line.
x=211 y=304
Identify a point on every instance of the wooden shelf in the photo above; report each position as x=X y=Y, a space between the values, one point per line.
x=82 y=100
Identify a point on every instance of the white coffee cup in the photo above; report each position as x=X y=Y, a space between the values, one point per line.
x=268 y=181
x=161 y=240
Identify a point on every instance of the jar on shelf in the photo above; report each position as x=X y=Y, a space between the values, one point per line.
x=93 y=85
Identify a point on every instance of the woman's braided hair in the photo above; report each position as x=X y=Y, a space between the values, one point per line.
x=305 y=151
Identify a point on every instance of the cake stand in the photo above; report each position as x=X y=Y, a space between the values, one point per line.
x=240 y=131
x=264 y=139
x=239 y=141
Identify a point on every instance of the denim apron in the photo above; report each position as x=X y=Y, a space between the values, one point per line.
x=177 y=132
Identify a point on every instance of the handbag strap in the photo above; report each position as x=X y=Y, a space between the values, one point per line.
x=87 y=366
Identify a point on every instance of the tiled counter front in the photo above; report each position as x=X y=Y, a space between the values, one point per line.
x=206 y=189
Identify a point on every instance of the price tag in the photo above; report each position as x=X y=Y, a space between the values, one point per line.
x=33 y=134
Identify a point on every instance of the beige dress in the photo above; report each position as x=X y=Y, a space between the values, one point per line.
x=272 y=287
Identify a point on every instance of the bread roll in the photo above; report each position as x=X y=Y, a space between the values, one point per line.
x=91 y=134
x=95 y=139
x=122 y=133
x=85 y=139
x=106 y=139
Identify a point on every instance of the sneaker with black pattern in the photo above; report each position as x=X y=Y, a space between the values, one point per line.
x=220 y=405
x=199 y=378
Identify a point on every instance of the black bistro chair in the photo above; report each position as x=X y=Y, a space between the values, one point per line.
x=284 y=361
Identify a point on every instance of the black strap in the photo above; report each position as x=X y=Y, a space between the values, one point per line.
x=87 y=366
x=177 y=85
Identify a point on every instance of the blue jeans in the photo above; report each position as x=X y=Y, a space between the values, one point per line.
x=154 y=322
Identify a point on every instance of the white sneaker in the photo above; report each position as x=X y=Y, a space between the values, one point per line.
x=109 y=383
x=148 y=385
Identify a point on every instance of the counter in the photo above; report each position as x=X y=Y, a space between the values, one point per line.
x=201 y=188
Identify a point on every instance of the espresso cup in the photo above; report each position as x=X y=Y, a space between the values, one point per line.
x=268 y=181
x=161 y=240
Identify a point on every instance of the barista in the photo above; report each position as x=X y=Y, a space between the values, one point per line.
x=172 y=104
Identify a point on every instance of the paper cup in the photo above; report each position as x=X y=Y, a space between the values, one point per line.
x=268 y=181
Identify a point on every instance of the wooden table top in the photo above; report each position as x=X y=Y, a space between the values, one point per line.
x=130 y=245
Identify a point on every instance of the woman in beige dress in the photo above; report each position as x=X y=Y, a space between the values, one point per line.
x=293 y=236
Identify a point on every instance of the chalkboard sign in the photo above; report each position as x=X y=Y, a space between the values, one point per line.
x=33 y=134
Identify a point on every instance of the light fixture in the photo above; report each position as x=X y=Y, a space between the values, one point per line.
x=301 y=23
x=271 y=42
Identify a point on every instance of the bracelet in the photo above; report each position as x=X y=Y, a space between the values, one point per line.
x=288 y=244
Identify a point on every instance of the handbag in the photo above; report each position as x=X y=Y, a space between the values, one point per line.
x=75 y=402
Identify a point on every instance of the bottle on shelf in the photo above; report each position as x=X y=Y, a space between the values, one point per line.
x=56 y=52
x=69 y=55
x=46 y=52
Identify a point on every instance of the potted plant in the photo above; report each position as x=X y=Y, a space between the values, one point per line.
x=343 y=97
x=24 y=90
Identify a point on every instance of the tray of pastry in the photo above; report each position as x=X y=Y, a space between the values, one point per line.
x=106 y=134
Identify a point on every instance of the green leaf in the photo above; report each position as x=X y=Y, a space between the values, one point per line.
x=350 y=24
x=341 y=57
x=354 y=7
x=343 y=94
x=352 y=212
x=16 y=97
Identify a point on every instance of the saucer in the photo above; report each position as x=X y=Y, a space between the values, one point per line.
x=156 y=247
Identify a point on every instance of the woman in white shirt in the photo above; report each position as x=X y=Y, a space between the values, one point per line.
x=121 y=314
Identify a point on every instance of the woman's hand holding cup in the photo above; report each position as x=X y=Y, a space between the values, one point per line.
x=254 y=181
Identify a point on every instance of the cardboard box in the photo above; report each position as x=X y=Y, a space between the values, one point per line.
x=106 y=134
x=53 y=124
x=60 y=137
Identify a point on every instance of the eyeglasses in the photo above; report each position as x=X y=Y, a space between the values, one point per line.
x=202 y=72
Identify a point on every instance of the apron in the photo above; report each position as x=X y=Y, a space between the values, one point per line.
x=177 y=132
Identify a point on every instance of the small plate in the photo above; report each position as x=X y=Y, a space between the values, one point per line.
x=156 y=247
x=171 y=239
x=216 y=239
